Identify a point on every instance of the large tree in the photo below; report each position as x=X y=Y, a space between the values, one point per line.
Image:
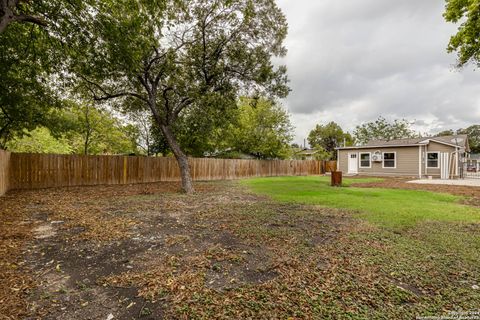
x=466 y=41
x=328 y=137
x=381 y=129
x=178 y=57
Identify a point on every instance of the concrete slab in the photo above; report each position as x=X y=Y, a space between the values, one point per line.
x=459 y=182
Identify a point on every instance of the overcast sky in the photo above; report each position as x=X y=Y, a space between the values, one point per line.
x=352 y=61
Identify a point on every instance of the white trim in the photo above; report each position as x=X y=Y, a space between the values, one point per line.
x=338 y=160
x=438 y=160
x=457 y=159
x=445 y=143
x=369 y=160
x=423 y=142
x=394 y=160
x=425 y=159
x=378 y=146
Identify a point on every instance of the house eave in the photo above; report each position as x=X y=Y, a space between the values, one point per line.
x=380 y=146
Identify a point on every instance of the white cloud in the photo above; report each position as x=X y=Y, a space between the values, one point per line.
x=350 y=62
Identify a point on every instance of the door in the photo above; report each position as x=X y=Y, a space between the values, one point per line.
x=352 y=163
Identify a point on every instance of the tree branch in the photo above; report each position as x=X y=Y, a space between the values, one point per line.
x=108 y=95
x=9 y=16
x=182 y=105
x=33 y=19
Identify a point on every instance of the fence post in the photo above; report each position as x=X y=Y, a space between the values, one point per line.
x=124 y=170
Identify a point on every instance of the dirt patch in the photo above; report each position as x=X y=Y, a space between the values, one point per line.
x=148 y=252
x=15 y=231
x=44 y=231
x=145 y=251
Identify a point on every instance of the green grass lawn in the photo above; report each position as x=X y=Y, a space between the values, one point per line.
x=406 y=253
x=387 y=207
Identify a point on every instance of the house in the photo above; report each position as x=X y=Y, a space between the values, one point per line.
x=436 y=157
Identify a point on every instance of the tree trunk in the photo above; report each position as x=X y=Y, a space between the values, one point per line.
x=187 y=184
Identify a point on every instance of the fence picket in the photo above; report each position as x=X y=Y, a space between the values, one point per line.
x=28 y=171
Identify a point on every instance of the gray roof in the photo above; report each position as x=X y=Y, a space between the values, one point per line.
x=455 y=140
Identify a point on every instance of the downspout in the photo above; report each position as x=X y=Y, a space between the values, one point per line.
x=426 y=160
x=457 y=159
x=420 y=162
x=338 y=159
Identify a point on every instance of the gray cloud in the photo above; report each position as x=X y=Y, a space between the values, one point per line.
x=352 y=61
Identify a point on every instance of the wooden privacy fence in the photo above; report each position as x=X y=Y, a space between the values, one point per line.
x=30 y=171
x=4 y=171
x=330 y=166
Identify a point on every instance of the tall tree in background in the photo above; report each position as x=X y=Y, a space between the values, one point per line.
x=95 y=131
x=328 y=137
x=79 y=129
x=448 y=132
x=257 y=127
x=178 y=57
x=466 y=41
x=381 y=129
x=262 y=129
x=473 y=133
x=144 y=140
x=40 y=140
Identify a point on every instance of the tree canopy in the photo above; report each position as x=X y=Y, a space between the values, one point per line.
x=473 y=133
x=262 y=129
x=466 y=41
x=35 y=39
x=381 y=129
x=81 y=129
x=257 y=127
x=325 y=138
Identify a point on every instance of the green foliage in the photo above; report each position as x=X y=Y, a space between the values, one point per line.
x=25 y=97
x=325 y=138
x=392 y=208
x=256 y=127
x=80 y=129
x=263 y=129
x=34 y=46
x=322 y=154
x=203 y=130
x=381 y=129
x=473 y=133
x=465 y=41
x=93 y=131
x=448 y=132
x=39 y=140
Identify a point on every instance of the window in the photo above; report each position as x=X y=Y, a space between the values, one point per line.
x=389 y=160
x=432 y=159
x=365 y=160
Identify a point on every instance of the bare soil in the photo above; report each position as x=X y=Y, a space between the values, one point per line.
x=139 y=251
x=150 y=252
